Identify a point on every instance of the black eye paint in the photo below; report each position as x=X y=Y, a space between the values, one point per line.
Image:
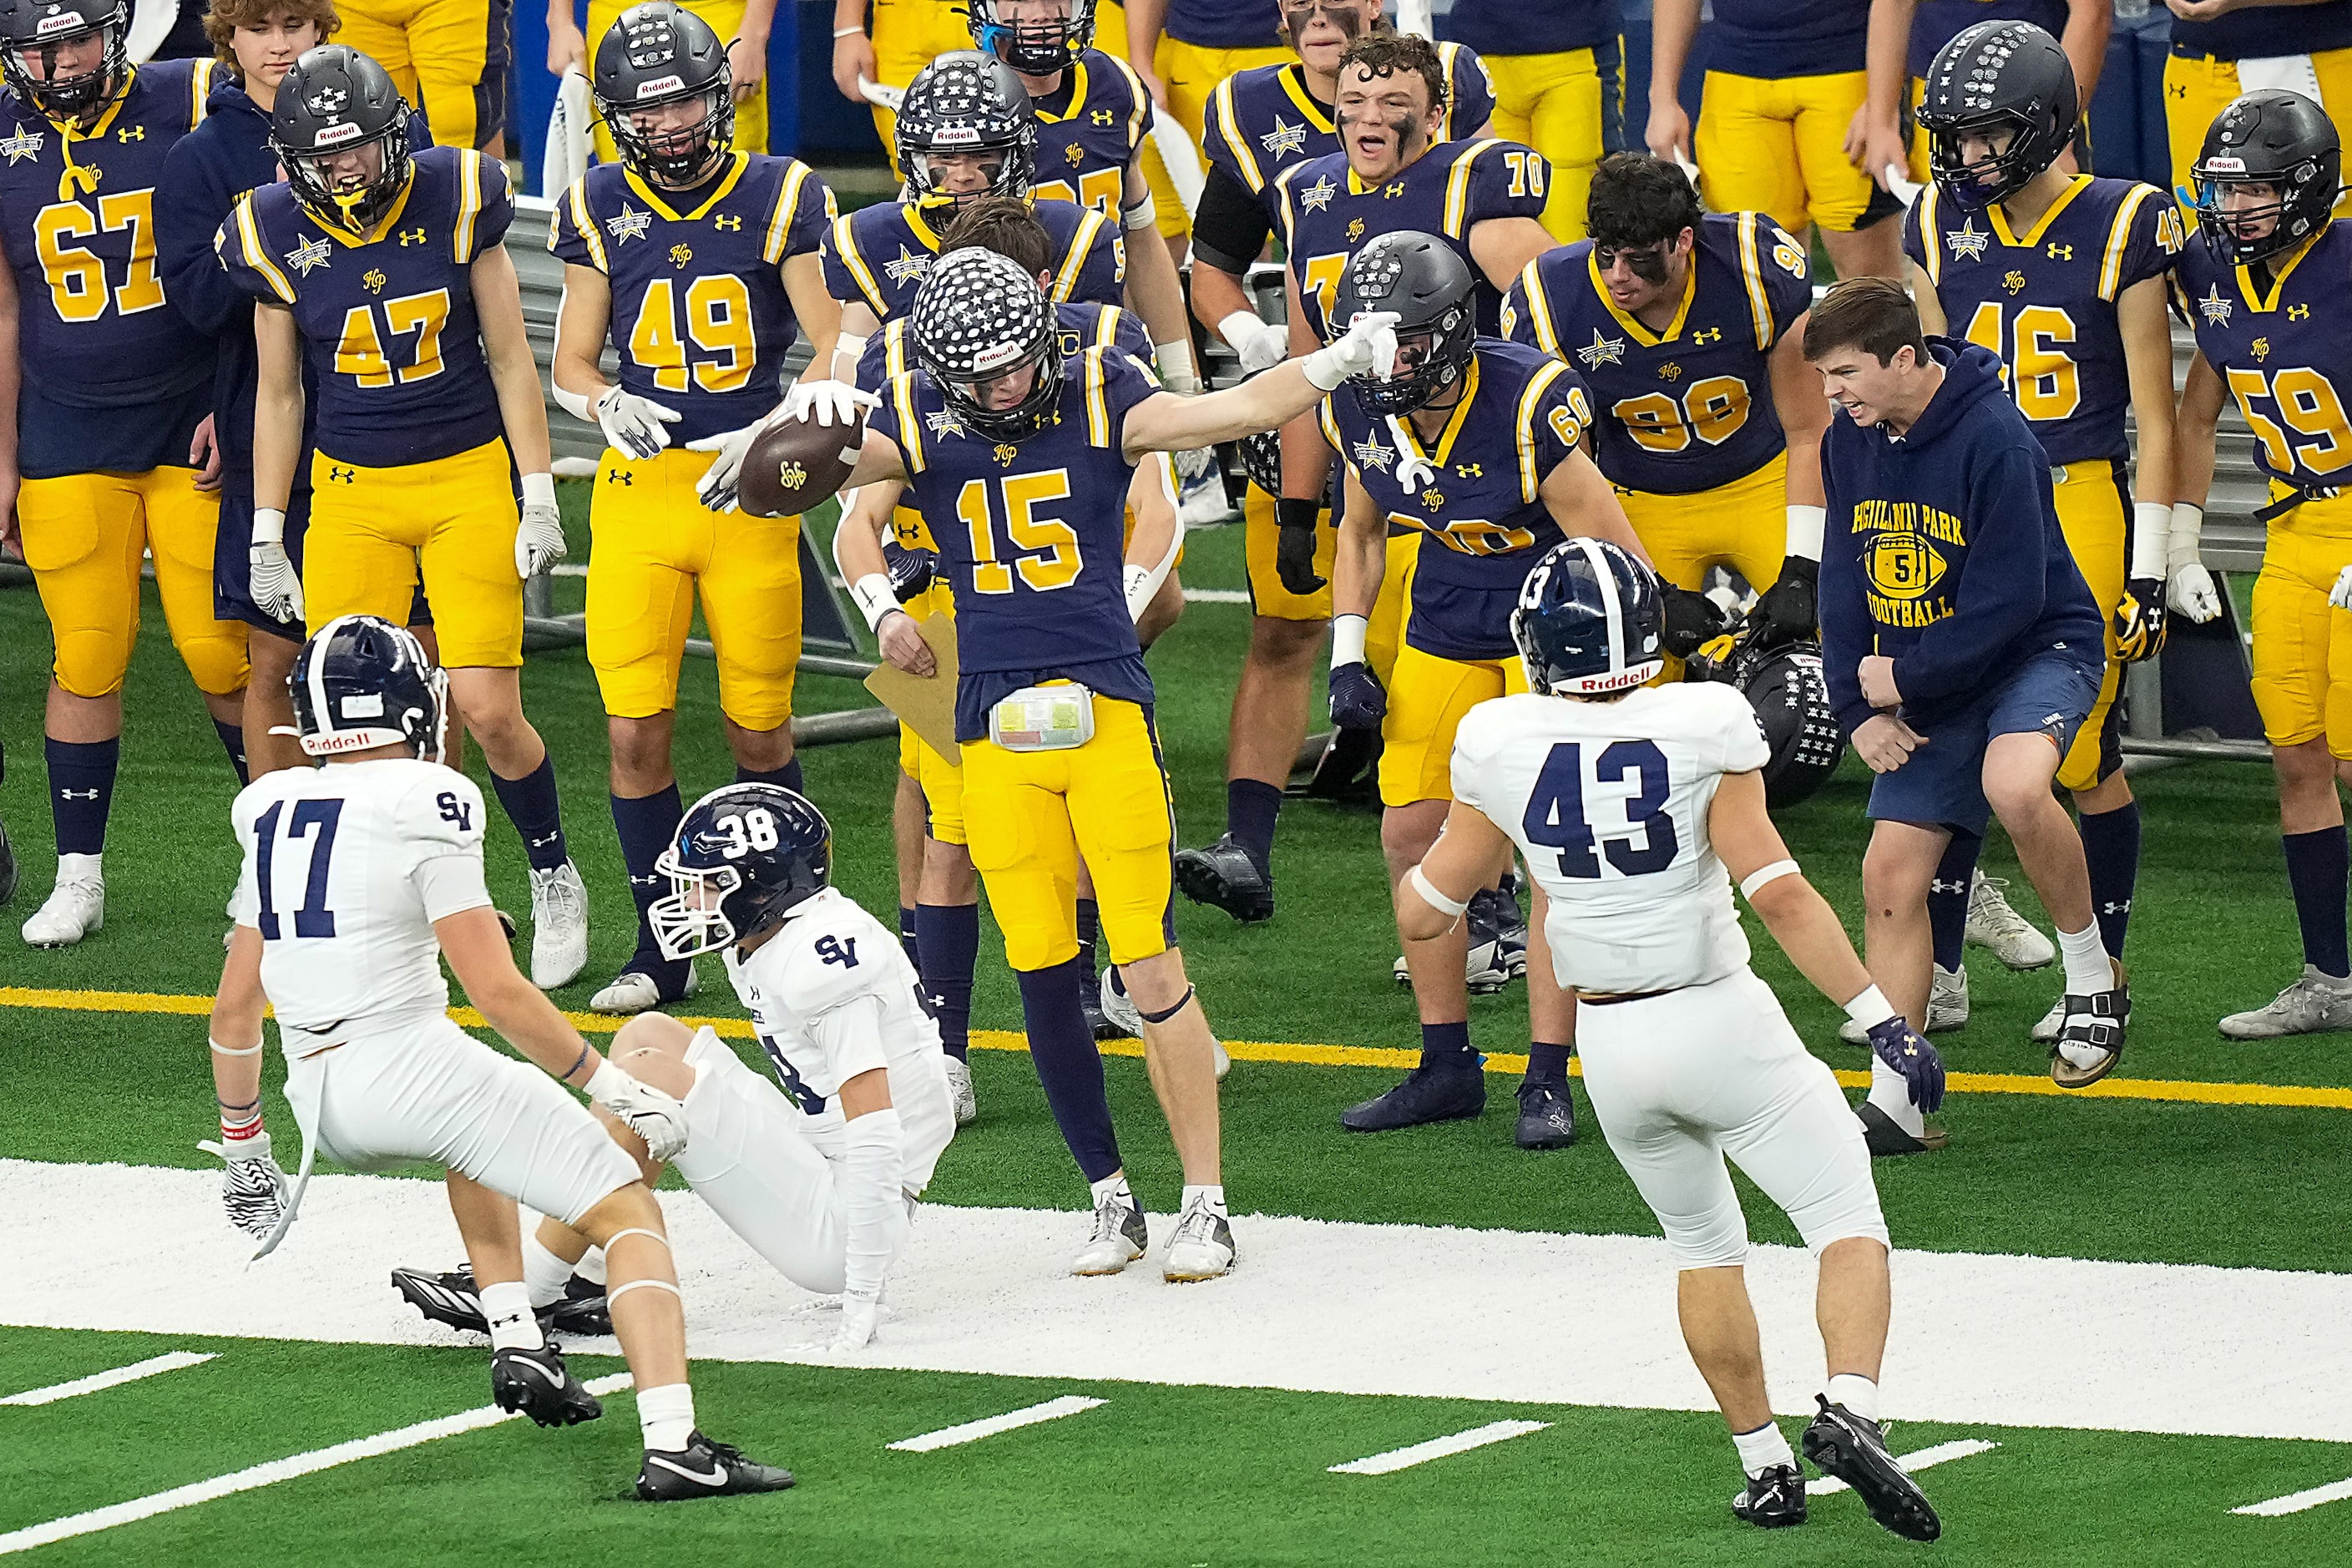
x=1344 y=16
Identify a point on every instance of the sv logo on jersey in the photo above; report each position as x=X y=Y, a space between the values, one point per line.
x=455 y=812
x=841 y=950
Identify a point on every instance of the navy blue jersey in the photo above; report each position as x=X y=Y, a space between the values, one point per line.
x=879 y=256
x=95 y=330
x=1938 y=22
x=1688 y=407
x=2258 y=32
x=1544 y=28
x=1089 y=128
x=1327 y=212
x=2282 y=351
x=1031 y=534
x=1776 y=39
x=700 y=315
x=387 y=318
x=1263 y=121
x=1482 y=523
x=1084 y=325
x=1225 y=24
x=2045 y=300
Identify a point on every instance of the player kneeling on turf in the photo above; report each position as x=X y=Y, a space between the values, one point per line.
x=360 y=877
x=1634 y=807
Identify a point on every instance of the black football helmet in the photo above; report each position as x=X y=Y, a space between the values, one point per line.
x=743 y=859
x=32 y=29
x=361 y=682
x=1033 y=47
x=335 y=100
x=1590 y=621
x=1997 y=76
x=1792 y=699
x=976 y=319
x=966 y=103
x=1426 y=282
x=2274 y=138
x=659 y=53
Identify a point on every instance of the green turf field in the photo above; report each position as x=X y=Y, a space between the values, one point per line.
x=2159 y=1170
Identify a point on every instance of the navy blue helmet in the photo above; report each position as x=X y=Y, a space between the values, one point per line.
x=1590 y=621
x=361 y=682
x=1038 y=47
x=1994 y=76
x=33 y=29
x=1426 y=282
x=744 y=857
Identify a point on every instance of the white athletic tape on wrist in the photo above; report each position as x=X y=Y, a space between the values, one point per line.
x=1756 y=881
x=2151 y=539
x=1806 y=525
x=1348 y=640
x=1870 y=1008
x=539 y=490
x=269 y=525
x=1174 y=362
x=2187 y=530
x=579 y=408
x=252 y=1050
x=614 y=1292
x=874 y=598
x=851 y=348
x=1451 y=907
x=1139 y=216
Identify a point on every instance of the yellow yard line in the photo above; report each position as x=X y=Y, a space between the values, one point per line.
x=2180 y=1091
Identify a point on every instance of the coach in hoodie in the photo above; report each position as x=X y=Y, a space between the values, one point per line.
x=1963 y=650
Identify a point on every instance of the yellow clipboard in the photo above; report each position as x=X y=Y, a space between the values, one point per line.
x=926 y=704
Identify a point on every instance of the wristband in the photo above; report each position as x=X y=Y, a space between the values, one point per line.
x=1174 y=362
x=1870 y=1008
x=1324 y=369
x=844 y=31
x=1143 y=214
x=1806 y=524
x=269 y=525
x=2188 y=528
x=2151 y=539
x=581 y=408
x=874 y=598
x=1431 y=897
x=1292 y=513
x=1763 y=875
x=850 y=346
x=601 y=1083
x=539 y=490
x=1139 y=585
x=1348 y=640
x=1237 y=327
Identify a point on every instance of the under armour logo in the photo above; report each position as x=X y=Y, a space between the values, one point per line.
x=409 y=236
x=1100 y=116
x=1470 y=471
x=2116 y=907
x=2293 y=312
x=131 y=133
x=77 y=794
x=727 y=221
x=1392 y=190
x=621 y=477
x=2057 y=252
x=1937 y=884
x=1707 y=335
x=337 y=474
x=543 y=842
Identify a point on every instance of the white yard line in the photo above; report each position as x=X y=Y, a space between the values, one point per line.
x=270 y=1473
x=1216 y=595
x=1941 y=1454
x=170 y=1361
x=2296 y=1502
x=988 y=1426
x=1438 y=1447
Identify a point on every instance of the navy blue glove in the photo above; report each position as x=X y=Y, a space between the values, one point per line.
x=1909 y=1053
x=911 y=571
x=1357 y=700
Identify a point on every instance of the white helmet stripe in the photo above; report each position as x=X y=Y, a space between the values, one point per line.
x=1609 y=599
x=322 y=714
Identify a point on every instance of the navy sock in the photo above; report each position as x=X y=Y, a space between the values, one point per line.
x=645 y=826
x=1448 y=1046
x=530 y=804
x=1069 y=1067
x=1089 y=929
x=2316 y=866
x=231 y=739
x=1251 y=806
x=2111 y=845
x=81 y=792
x=786 y=777
x=907 y=942
x=1548 y=1064
x=1947 y=897
x=948 y=936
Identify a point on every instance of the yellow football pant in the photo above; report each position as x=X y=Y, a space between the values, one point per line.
x=373 y=529
x=1560 y=105
x=1427 y=698
x=2094 y=513
x=1190 y=74
x=1778 y=146
x=435 y=51
x=2303 y=644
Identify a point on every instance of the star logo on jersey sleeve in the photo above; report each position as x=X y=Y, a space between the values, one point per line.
x=1316 y=197
x=628 y=224
x=1374 y=455
x=1601 y=351
x=2214 y=308
x=1968 y=241
x=1284 y=140
x=26 y=143
x=906 y=268
x=311 y=253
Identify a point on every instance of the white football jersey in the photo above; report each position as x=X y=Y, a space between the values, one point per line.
x=346 y=868
x=829 y=951
x=1607 y=803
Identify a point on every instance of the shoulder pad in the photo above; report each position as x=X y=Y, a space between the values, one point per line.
x=441 y=805
x=826 y=958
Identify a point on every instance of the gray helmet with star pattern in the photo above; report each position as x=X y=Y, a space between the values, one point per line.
x=977 y=318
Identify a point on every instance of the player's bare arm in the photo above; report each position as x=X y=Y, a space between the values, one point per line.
x=1672 y=25
x=1581 y=500
x=1166 y=423
x=1875 y=142
x=820 y=315
x=1799 y=918
x=277 y=405
x=1470 y=853
x=583 y=318
x=1361 y=558
x=1502 y=246
x=857 y=324
x=1804 y=414
x=1154 y=290
x=498 y=304
x=1158 y=530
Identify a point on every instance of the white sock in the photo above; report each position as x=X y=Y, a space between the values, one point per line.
x=1858 y=1393
x=84 y=867
x=2088 y=968
x=591 y=1265
x=543 y=1274
x=1213 y=1195
x=1110 y=1184
x=1763 y=1449
x=666 y=1416
x=1891 y=1092
x=513 y=1327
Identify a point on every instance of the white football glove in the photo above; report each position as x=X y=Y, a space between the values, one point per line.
x=719 y=486
x=633 y=423
x=2189 y=588
x=1368 y=345
x=2341 y=594
x=1261 y=345
x=253 y=1189
x=275 y=586
x=644 y=1110
x=538 y=535
x=829 y=403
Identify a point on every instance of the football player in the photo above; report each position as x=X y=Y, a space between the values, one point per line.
x=1476 y=445
x=1019 y=458
x=106 y=432
x=385 y=268
x=1783 y=127
x=1558 y=74
x=1689 y=333
x=2221 y=50
x=699 y=264
x=2265 y=292
x=744 y=23
x=1686 y=1054
x=1904 y=36
x=907 y=36
x=1182 y=49
x=2063 y=276
x=360 y=877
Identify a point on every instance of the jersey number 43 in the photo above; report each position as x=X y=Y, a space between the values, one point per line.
x=1556 y=814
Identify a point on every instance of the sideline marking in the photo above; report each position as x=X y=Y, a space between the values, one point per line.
x=2296 y=1502
x=270 y=1472
x=2191 y=1091
x=990 y=1426
x=1438 y=1447
x=1942 y=1453
x=170 y=1361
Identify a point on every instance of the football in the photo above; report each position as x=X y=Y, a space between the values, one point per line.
x=794 y=464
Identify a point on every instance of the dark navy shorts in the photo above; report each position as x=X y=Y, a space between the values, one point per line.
x=1942 y=785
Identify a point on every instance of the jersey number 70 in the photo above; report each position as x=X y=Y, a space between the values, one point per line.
x=1555 y=816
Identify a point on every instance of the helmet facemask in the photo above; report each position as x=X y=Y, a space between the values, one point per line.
x=1034 y=46
x=1975 y=185
x=693 y=919
x=1431 y=358
x=74 y=95
x=352 y=201
x=680 y=156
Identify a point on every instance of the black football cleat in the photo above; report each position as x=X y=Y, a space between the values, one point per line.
x=1886 y=1140
x=705 y=1468
x=1426 y=1095
x=580 y=1310
x=451 y=1299
x=1547 y=1116
x=1854 y=1450
x=538 y=1383
x=1773 y=1500
x=1099 y=1023
x=1224 y=876
x=1497 y=910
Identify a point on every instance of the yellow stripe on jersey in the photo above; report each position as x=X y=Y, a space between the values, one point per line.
x=1448 y=56
x=257 y=254
x=1331 y=433
x=1082 y=244
x=2032 y=238
x=1522 y=425
x=780 y=222
x=910 y=428
x=1107 y=327
x=200 y=87
x=1220 y=105
x=1304 y=101
x=1751 y=273
x=1540 y=309
x=1931 y=236
x=2111 y=268
x=1097 y=412
x=469 y=204
x=894 y=349
x=591 y=233
x=1141 y=99
x=845 y=244
x=1457 y=186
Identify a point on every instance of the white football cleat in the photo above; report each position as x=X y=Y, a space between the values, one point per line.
x=75 y=908
x=1202 y=1248
x=1993 y=924
x=1948 y=1007
x=967 y=1105
x=559 y=926
x=634 y=991
x=2315 y=1004
x=1119 y=1239
x=1224 y=1062
x=1486 y=967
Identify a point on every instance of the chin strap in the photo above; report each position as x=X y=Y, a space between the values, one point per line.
x=1413 y=469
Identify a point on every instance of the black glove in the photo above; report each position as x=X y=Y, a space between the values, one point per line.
x=1691 y=620
x=1357 y=701
x=2140 y=621
x=1790 y=610
x=910 y=570
x=1294 y=550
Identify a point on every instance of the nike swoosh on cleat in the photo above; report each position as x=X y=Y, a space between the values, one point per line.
x=717 y=1477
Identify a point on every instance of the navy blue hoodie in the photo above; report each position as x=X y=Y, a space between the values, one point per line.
x=1943 y=549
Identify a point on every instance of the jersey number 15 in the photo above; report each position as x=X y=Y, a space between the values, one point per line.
x=1556 y=817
